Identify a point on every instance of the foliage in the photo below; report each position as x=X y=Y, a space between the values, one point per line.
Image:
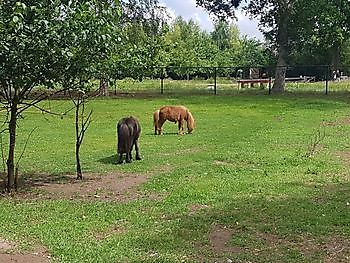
x=187 y=45
x=299 y=28
x=321 y=32
x=49 y=42
x=143 y=25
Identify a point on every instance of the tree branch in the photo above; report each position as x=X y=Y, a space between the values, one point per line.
x=25 y=146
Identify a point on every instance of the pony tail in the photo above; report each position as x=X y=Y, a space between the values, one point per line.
x=155 y=121
x=190 y=122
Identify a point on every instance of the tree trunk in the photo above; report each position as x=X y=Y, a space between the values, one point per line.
x=11 y=155
x=335 y=57
x=77 y=143
x=280 y=75
x=282 y=43
x=104 y=87
x=77 y=157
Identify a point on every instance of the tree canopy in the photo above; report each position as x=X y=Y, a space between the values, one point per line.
x=289 y=25
x=47 y=43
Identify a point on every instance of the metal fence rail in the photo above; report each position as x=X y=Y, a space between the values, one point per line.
x=229 y=80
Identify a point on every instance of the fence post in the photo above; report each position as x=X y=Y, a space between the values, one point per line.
x=161 y=85
x=326 y=75
x=215 y=73
x=162 y=81
x=270 y=80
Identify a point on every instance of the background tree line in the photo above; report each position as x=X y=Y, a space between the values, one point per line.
x=297 y=32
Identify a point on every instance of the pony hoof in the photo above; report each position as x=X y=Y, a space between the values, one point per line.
x=138 y=158
x=129 y=161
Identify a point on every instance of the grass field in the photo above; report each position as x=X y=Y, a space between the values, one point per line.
x=261 y=179
x=225 y=86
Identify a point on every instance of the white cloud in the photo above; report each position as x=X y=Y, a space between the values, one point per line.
x=188 y=10
x=197 y=18
x=247 y=26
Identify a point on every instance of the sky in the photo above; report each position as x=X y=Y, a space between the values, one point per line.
x=187 y=9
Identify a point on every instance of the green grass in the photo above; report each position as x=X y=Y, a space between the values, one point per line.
x=246 y=163
x=225 y=86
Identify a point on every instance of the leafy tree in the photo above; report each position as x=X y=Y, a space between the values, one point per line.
x=143 y=24
x=47 y=42
x=274 y=15
x=222 y=34
x=254 y=53
x=320 y=32
x=183 y=42
x=321 y=28
x=346 y=54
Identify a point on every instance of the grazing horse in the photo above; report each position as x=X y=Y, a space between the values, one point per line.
x=174 y=114
x=128 y=131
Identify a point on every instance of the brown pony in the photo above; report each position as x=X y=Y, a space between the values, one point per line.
x=174 y=114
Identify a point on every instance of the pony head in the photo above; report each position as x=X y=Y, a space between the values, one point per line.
x=190 y=122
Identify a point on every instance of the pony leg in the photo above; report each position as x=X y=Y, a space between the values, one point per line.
x=180 y=127
x=160 y=124
x=155 y=121
x=128 y=157
x=156 y=128
x=137 y=149
x=120 y=158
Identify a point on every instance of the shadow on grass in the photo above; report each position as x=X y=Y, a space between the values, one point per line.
x=109 y=159
x=164 y=134
x=313 y=227
x=29 y=181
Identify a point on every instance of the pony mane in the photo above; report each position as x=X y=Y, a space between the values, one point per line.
x=190 y=121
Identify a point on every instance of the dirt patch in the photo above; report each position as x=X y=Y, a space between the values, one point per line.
x=8 y=254
x=331 y=249
x=344 y=156
x=6 y=245
x=342 y=121
x=23 y=258
x=109 y=187
x=337 y=250
x=334 y=249
x=219 y=237
x=115 y=230
x=197 y=207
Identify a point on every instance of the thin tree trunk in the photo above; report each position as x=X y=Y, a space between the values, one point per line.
x=11 y=155
x=77 y=157
x=77 y=143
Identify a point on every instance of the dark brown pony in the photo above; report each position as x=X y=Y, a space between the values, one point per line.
x=177 y=114
x=128 y=131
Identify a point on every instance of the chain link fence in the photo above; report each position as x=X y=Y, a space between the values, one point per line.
x=228 y=80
